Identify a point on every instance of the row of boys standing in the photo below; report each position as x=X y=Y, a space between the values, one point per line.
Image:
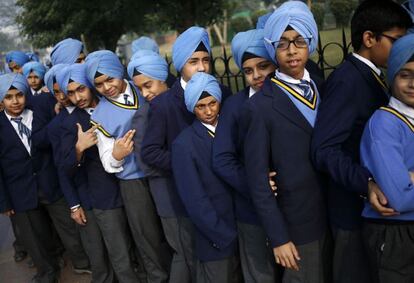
x=187 y=165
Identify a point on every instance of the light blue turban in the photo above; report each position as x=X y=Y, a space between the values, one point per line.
x=74 y=72
x=402 y=50
x=51 y=74
x=18 y=57
x=12 y=79
x=150 y=64
x=186 y=43
x=105 y=62
x=249 y=41
x=38 y=68
x=66 y=51
x=144 y=43
x=33 y=56
x=295 y=14
x=198 y=83
x=261 y=21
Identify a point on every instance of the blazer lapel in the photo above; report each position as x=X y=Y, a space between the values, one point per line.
x=203 y=134
x=13 y=137
x=282 y=104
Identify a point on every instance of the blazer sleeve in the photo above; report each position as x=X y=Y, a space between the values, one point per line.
x=257 y=152
x=195 y=199
x=5 y=203
x=154 y=151
x=382 y=152
x=42 y=115
x=226 y=159
x=336 y=118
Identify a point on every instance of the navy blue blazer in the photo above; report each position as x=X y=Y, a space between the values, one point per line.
x=206 y=198
x=25 y=177
x=227 y=156
x=167 y=117
x=43 y=107
x=352 y=94
x=278 y=138
x=102 y=188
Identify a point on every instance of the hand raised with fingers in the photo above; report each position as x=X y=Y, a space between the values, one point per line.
x=86 y=139
x=124 y=146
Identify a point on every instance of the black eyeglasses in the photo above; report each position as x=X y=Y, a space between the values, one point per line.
x=391 y=38
x=299 y=42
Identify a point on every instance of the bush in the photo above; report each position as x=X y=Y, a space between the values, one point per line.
x=342 y=10
x=240 y=24
x=318 y=11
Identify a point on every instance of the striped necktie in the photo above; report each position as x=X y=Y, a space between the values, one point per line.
x=23 y=130
x=307 y=90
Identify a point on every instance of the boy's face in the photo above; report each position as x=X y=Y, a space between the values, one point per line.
x=14 y=102
x=381 y=45
x=292 y=60
x=256 y=70
x=149 y=87
x=206 y=110
x=15 y=68
x=403 y=86
x=34 y=81
x=198 y=62
x=80 y=95
x=60 y=96
x=109 y=87
x=81 y=58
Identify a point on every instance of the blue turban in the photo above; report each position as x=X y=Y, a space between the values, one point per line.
x=249 y=41
x=51 y=75
x=33 y=56
x=186 y=43
x=295 y=14
x=18 y=57
x=105 y=62
x=144 y=43
x=401 y=52
x=12 y=79
x=74 y=72
x=261 y=21
x=38 y=68
x=66 y=51
x=150 y=64
x=198 y=83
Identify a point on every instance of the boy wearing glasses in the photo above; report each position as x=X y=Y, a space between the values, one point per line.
x=352 y=93
x=279 y=123
x=387 y=151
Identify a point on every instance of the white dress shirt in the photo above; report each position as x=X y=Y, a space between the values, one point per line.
x=27 y=120
x=183 y=83
x=293 y=82
x=251 y=92
x=403 y=108
x=368 y=62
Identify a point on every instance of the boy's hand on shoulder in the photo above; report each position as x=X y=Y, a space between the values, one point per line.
x=287 y=256
x=378 y=200
x=86 y=139
x=124 y=146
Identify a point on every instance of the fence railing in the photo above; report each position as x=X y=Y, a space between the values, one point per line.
x=223 y=67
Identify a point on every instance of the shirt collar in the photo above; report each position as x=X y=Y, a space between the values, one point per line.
x=251 y=92
x=183 y=83
x=70 y=109
x=289 y=79
x=403 y=108
x=89 y=110
x=25 y=115
x=367 y=62
x=210 y=127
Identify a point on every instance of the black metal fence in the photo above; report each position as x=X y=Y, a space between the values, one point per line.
x=225 y=71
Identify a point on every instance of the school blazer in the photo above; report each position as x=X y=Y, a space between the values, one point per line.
x=207 y=199
x=352 y=94
x=102 y=188
x=24 y=176
x=278 y=138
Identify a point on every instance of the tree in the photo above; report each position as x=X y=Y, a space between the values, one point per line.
x=318 y=11
x=99 y=23
x=342 y=10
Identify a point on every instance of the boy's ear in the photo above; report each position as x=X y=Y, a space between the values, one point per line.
x=368 y=39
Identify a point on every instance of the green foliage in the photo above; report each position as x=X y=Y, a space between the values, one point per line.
x=342 y=10
x=256 y=14
x=240 y=24
x=318 y=11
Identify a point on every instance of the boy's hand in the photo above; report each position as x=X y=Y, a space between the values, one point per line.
x=79 y=216
x=378 y=200
x=272 y=183
x=287 y=255
x=9 y=212
x=412 y=177
x=58 y=107
x=86 y=139
x=123 y=146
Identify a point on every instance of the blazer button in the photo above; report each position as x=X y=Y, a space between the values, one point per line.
x=34 y=174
